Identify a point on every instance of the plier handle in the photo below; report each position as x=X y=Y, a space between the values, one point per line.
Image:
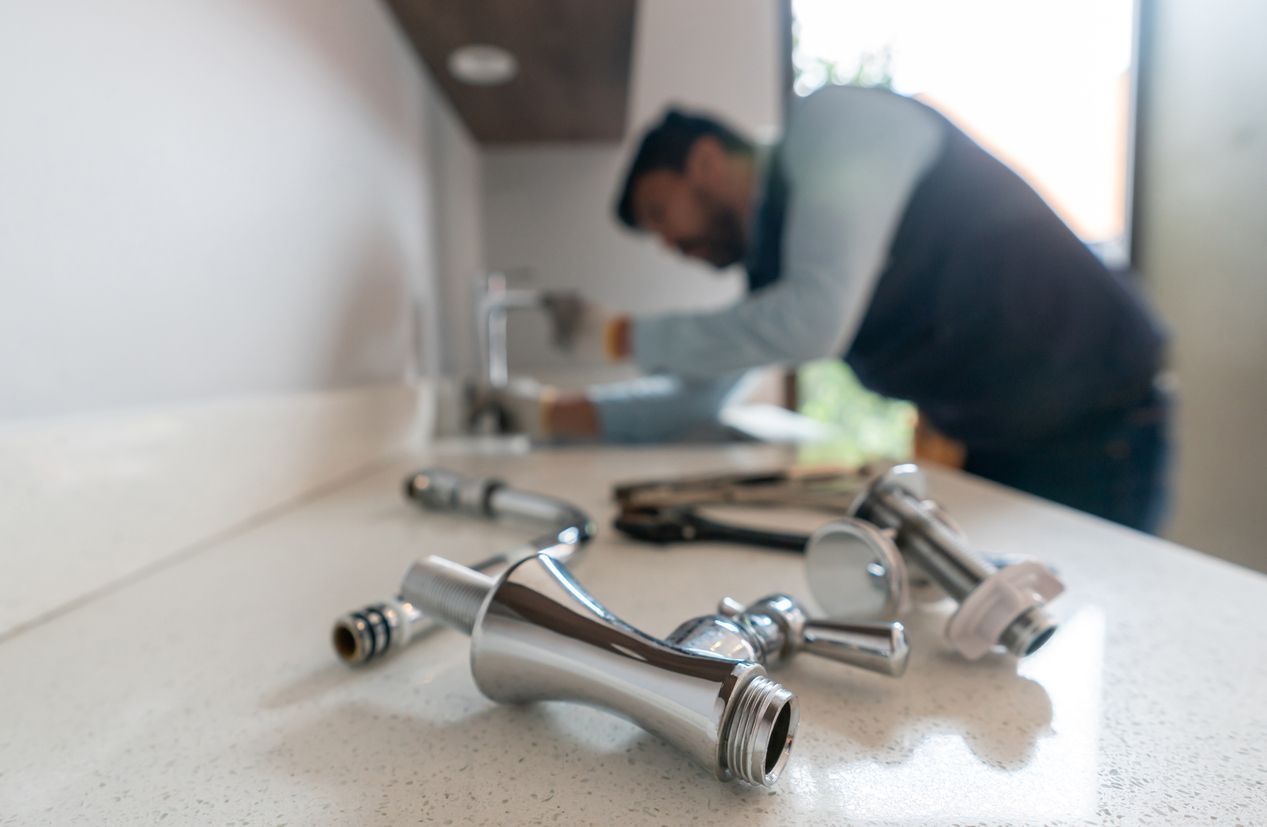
x=830 y=489
x=682 y=524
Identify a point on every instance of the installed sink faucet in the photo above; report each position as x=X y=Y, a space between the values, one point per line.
x=494 y=300
x=487 y=409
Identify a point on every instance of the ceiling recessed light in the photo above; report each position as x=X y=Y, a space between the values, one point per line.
x=482 y=65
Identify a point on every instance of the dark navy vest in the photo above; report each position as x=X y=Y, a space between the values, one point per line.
x=990 y=315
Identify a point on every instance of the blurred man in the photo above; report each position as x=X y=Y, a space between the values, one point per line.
x=878 y=232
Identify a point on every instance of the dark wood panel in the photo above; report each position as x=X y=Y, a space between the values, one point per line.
x=574 y=56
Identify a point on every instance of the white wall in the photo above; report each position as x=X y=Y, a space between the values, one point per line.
x=549 y=208
x=456 y=235
x=1204 y=222
x=217 y=197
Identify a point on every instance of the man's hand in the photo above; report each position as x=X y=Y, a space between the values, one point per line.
x=538 y=411
x=933 y=446
x=573 y=417
x=522 y=408
x=586 y=329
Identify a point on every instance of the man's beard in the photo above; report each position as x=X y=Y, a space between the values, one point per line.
x=723 y=239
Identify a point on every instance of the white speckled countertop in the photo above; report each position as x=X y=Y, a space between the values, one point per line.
x=203 y=690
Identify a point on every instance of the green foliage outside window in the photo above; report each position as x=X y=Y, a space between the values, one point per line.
x=870 y=426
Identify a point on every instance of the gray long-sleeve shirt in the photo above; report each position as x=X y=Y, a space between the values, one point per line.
x=851 y=158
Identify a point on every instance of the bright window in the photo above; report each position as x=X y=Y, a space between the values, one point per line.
x=1044 y=85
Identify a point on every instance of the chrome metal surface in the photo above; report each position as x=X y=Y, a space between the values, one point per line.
x=494 y=300
x=855 y=571
x=454 y=592
x=897 y=502
x=775 y=628
x=877 y=647
x=570 y=528
x=372 y=631
x=538 y=635
x=492 y=405
x=380 y=628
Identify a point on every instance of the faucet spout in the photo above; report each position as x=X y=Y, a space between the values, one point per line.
x=538 y=635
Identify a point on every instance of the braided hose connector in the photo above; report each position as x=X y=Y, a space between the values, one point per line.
x=381 y=628
x=439 y=490
x=375 y=630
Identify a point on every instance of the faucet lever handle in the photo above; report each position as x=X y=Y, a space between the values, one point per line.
x=730 y=607
x=876 y=647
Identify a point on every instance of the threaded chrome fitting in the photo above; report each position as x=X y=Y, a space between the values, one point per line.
x=758 y=735
x=453 y=592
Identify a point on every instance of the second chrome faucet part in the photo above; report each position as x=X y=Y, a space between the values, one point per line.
x=858 y=566
x=997 y=606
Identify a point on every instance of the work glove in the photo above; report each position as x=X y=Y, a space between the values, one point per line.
x=586 y=329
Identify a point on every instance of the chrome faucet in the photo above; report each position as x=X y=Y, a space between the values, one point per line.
x=487 y=409
x=538 y=635
x=494 y=301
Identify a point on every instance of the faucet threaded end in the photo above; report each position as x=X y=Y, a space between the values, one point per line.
x=373 y=631
x=447 y=591
x=1027 y=633
x=362 y=635
x=758 y=735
